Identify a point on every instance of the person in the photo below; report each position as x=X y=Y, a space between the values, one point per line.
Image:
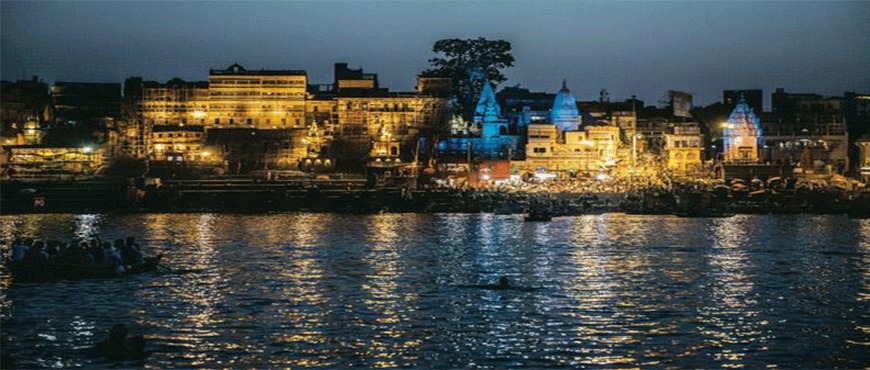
x=37 y=254
x=503 y=283
x=19 y=250
x=131 y=253
x=118 y=346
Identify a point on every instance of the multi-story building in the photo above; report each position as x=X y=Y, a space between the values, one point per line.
x=264 y=99
x=590 y=150
x=683 y=147
x=823 y=147
x=179 y=143
x=350 y=110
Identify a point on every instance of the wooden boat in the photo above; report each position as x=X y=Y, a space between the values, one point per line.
x=28 y=272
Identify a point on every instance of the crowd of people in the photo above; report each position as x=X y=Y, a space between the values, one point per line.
x=86 y=252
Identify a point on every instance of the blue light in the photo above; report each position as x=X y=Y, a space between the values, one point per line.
x=565 y=114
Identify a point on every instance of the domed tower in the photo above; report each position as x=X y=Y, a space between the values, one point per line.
x=741 y=134
x=565 y=114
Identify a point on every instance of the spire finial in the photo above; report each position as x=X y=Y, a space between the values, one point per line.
x=564 y=84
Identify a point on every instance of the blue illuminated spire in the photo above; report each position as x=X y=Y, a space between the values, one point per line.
x=743 y=119
x=565 y=114
x=487 y=109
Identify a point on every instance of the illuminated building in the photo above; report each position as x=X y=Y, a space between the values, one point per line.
x=52 y=161
x=683 y=147
x=350 y=110
x=741 y=134
x=248 y=149
x=179 y=143
x=263 y=99
x=175 y=103
x=385 y=152
x=863 y=158
x=317 y=150
x=565 y=114
x=590 y=150
x=360 y=108
x=32 y=133
x=820 y=148
x=491 y=137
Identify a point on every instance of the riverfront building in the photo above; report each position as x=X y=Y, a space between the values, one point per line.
x=350 y=111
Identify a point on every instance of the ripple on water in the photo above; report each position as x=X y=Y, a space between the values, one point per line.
x=399 y=289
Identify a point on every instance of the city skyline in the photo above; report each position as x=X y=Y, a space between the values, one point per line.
x=641 y=49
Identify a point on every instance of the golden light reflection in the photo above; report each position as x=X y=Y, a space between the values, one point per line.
x=307 y=326
x=392 y=341
x=595 y=292
x=729 y=320
x=198 y=290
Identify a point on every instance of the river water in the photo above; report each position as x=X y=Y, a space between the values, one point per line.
x=609 y=291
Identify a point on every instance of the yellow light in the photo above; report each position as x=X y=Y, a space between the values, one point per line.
x=198 y=114
x=158 y=147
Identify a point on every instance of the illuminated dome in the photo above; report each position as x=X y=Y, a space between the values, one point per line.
x=565 y=114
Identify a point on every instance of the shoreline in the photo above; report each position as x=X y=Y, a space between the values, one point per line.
x=264 y=197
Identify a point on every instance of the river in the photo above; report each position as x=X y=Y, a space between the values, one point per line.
x=611 y=290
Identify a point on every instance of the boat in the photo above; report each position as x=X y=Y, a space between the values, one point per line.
x=28 y=272
x=538 y=216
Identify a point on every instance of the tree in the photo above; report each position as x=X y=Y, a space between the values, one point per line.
x=459 y=57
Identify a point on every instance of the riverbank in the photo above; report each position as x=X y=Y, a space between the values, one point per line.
x=357 y=196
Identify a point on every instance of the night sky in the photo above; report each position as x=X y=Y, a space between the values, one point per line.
x=642 y=48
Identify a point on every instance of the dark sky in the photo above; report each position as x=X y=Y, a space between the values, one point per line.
x=643 y=48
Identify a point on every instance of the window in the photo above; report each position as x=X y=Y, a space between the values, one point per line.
x=315 y=109
x=540 y=150
x=231 y=121
x=297 y=122
x=394 y=150
x=217 y=121
x=250 y=121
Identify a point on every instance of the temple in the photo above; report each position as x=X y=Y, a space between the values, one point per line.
x=741 y=135
x=565 y=114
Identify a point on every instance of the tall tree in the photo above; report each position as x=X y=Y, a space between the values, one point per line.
x=457 y=58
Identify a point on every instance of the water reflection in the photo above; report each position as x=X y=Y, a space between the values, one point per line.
x=730 y=317
x=302 y=311
x=391 y=339
x=613 y=290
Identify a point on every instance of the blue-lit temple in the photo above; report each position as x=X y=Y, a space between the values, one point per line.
x=492 y=136
x=741 y=134
x=565 y=114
